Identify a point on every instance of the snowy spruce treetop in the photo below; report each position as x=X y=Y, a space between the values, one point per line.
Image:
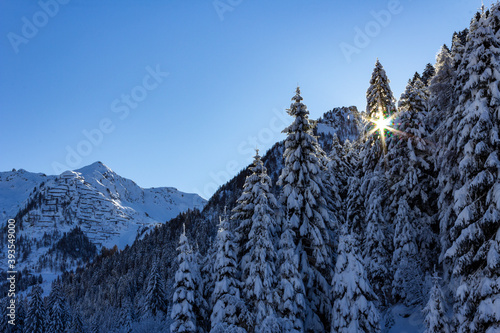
x=380 y=105
x=302 y=183
x=245 y=207
x=379 y=94
x=441 y=86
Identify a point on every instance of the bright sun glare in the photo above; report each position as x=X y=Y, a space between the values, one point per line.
x=382 y=123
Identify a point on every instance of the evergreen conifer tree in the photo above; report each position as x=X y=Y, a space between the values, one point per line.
x=229 y=312
x=412 y=201
x=427 y=74
x=291 y=290
x=259 y=269
x=183 y=316
x=355 y=218
x=435 y=311
x=155 y=297
x=35 y=319
x=475 y=233
x=353 y=306
x=378 y=238
x=379 y=95
x=441 y=90
x=304 y=202
x=245 y=208
x=57 y=309
x=374 y=185
x=338 y=171
x=446 y=135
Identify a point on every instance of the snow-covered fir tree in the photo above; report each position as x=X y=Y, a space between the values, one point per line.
x=201 y=306
x=380 y=105
x=446 y=137
x=36 y=316
x=416 y=77
x=127 y=314
x=475 y=233
x=428 y=74
x=436 y=320
x=355 y=209
x=207 y=284
x=412 y=201
x=354 y=307
x=338 y=171
x=354 y=201
x=155 y=301
x=378 y=237
x=291 y=291
x=183 y=304
x=408 y=278
x=374 y=185
x=57 y=309
x=259 y=262
x=245 y=208
x=229 y=313
x=304 y=203
x=441 y=90
x=379 y=95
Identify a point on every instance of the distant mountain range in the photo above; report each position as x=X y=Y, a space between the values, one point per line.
x=105 y=207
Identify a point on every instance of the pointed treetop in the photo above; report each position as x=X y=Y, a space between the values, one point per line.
x=416 y=77
x=297 y=98
x=297 y=108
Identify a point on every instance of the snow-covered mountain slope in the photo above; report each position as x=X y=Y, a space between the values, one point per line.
x=158 y=203
x=345 y=122
x=15 y=188
x=109 y=209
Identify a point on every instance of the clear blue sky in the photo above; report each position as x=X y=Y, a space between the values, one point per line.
x=231 y=73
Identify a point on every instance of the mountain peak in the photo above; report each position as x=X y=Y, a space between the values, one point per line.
x=96 y=167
